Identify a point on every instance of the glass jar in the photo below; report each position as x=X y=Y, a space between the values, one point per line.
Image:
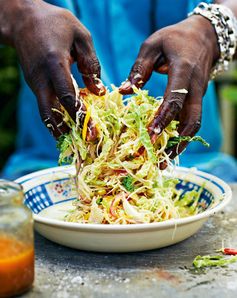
x=16 y=241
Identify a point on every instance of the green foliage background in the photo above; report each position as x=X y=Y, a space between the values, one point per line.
x=9 y=89
x=229 y=86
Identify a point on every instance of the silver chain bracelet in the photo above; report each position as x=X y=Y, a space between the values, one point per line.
x=225 y=24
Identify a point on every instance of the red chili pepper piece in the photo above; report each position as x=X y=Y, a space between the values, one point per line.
x=230 y=251
x=120 y=172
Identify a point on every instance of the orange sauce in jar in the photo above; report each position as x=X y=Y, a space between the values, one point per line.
x=16 y=266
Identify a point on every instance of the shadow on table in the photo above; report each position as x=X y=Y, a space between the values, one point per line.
x=177 y=255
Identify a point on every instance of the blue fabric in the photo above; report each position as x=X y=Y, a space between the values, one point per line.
x=118 y=28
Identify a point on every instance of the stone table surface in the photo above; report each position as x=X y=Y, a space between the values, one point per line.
x=167 y=272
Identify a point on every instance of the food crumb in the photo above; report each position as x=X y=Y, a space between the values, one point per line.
x=77 y=279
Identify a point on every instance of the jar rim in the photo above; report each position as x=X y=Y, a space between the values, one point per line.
x=10 y=192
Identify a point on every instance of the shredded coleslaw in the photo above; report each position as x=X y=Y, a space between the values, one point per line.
x=118 y=176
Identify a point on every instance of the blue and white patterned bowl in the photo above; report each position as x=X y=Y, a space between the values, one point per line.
x=49 y=194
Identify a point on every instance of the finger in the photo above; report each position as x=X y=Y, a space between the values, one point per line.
x=179 y=78
x=141 y=71
x=65 y=91
x=190 y=116
x=60 y=76
x=88 y=64
x=190 y=122
x=47 y=102
x=62 y=81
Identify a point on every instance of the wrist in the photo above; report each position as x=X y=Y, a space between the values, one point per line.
x=207 y=30
x=225 y=24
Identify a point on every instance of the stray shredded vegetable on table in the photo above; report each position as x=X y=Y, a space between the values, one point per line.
x=118 y=177
x=211 y=261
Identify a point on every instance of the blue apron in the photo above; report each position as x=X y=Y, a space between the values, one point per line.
x=118 y=28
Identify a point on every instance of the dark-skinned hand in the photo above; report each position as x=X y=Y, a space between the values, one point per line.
x=48 y=39
x=186 y=52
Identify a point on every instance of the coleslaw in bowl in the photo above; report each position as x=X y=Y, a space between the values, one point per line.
x=49 y=194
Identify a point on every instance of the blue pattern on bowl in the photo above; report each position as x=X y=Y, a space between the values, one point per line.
x=38 y=199
x=61 y=190
x=206 y=198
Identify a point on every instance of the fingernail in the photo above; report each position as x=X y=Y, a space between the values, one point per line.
x=126 y=85
x=154 y=130
x=99 y=85
x=137 y=76
x=157 y=130
x=102 y=89
x=154 y=133
x=137 y=79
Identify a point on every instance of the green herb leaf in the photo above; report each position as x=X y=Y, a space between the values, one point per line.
x=60 y=141
x=63 y=144
x=177 y=140
x=127 y=182
x=99 y=201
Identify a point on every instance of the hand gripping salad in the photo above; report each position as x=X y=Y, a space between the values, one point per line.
x=118 y=178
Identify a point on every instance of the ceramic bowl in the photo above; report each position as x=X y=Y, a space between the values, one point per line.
x=49 y=194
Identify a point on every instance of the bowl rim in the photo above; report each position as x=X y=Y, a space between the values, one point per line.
x=171 y=223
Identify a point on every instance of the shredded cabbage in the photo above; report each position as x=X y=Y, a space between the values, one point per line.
x=211 y=261
x=118 y=176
